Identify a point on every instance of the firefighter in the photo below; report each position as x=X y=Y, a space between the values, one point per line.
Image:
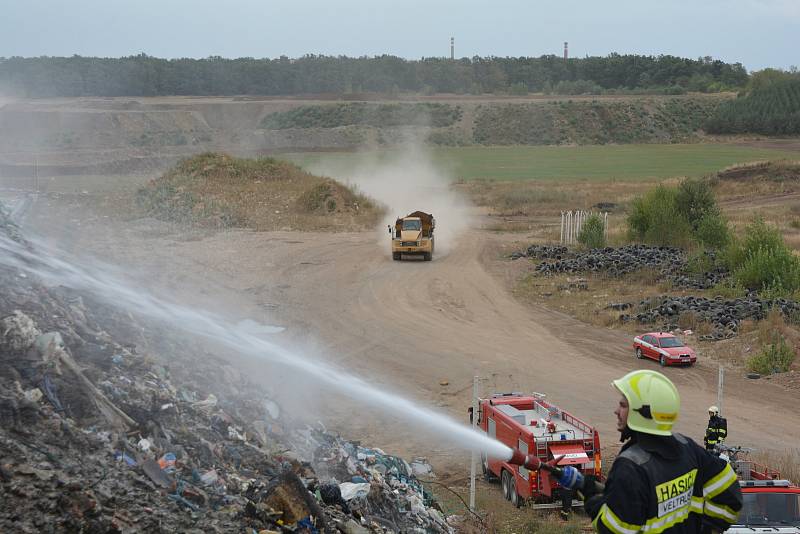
x=661 y=481
x=717 y=429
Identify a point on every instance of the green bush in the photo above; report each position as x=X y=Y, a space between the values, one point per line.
x=678 y=216
x=776 y=357
x=712 y=231
x=695 y=200
x=592 y=234
x=776 y=271
x=762 y=262
x=656 y=219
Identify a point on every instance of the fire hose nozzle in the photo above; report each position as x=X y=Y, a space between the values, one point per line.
x=530 y=461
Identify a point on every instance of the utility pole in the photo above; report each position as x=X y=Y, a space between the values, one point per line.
x=474 y=454
x=452 y=48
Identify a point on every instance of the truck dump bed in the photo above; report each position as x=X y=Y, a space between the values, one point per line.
x=428 y=223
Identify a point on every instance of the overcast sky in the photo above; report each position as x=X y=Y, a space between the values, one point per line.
x=757 y=33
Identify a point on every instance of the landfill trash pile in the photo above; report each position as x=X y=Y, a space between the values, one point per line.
x=669 y=262
x=725 y=315
x=98 y=436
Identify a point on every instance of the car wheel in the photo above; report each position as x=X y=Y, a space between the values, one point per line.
x=639 y=353
x=506 y=485
x=663 y=361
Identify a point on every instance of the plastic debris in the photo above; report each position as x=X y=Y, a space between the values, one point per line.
x=34 y=395
x=123 y=457
x=352 y=491
x=209 y=477
x=206 y=405
x=167 y=461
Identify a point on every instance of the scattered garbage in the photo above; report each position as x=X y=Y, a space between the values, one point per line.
x=118 y=440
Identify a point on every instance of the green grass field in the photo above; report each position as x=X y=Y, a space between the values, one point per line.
x=558 y=163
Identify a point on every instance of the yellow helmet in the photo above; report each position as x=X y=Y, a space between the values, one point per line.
x=653 y=401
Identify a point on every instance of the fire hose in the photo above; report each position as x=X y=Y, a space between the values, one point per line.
x=567 y=476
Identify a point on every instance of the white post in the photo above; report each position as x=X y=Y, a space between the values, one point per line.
x=605 y=225
x=561 y=237
x=571 y=227
x=720 y=384
x=474 y=454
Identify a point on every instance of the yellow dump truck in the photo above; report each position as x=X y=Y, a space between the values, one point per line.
x=413 y=235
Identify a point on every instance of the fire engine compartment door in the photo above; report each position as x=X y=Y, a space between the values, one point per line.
x=573 y=453
x=523 y=447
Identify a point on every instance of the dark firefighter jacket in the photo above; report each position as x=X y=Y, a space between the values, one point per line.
x=717 y=431
x=666 y=484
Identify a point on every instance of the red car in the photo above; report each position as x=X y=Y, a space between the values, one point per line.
x=666 y=348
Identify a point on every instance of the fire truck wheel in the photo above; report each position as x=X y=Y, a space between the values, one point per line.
x=487 y=475
x=506 y=482
x=515 y=498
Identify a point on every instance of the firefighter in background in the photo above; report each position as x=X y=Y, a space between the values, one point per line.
x=717 y=429
x=661 y=481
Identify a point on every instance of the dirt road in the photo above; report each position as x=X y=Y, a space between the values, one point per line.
x=405 y=326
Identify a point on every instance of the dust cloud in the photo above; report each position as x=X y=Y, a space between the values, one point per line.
x=406 y=179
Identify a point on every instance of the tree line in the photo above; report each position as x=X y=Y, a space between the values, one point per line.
x=770 y=105
x=144 y=75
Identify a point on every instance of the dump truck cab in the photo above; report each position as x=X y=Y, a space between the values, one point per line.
x=412 y=235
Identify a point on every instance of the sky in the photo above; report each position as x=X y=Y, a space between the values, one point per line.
x=756 y=33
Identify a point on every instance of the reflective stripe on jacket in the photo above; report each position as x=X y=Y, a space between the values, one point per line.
x=717 y=430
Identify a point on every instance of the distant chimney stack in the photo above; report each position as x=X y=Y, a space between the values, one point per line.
x=452 y=48
x=566 y=53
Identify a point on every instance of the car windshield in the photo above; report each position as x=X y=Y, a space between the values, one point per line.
x=411 y=225
x=770 y=509
x=669 y=342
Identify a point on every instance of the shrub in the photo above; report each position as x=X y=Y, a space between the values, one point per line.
x=762 y=262
x=678 y=216
x=656 y=219
x=592 y=234
x=712 y=231
x=695 y=200
x=777 y=357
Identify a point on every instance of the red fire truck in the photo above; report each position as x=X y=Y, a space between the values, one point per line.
x=771 y=504
x=534 y=426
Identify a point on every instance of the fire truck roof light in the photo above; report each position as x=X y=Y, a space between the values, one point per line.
x=765 y=483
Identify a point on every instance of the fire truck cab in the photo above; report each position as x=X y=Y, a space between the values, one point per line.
x=534 y=426
x=770 y=503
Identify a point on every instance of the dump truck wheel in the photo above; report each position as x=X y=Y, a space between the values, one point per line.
x=396 y=256
x=427 y=256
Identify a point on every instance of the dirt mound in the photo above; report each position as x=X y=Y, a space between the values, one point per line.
x=219 y=191
x=780 y=171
